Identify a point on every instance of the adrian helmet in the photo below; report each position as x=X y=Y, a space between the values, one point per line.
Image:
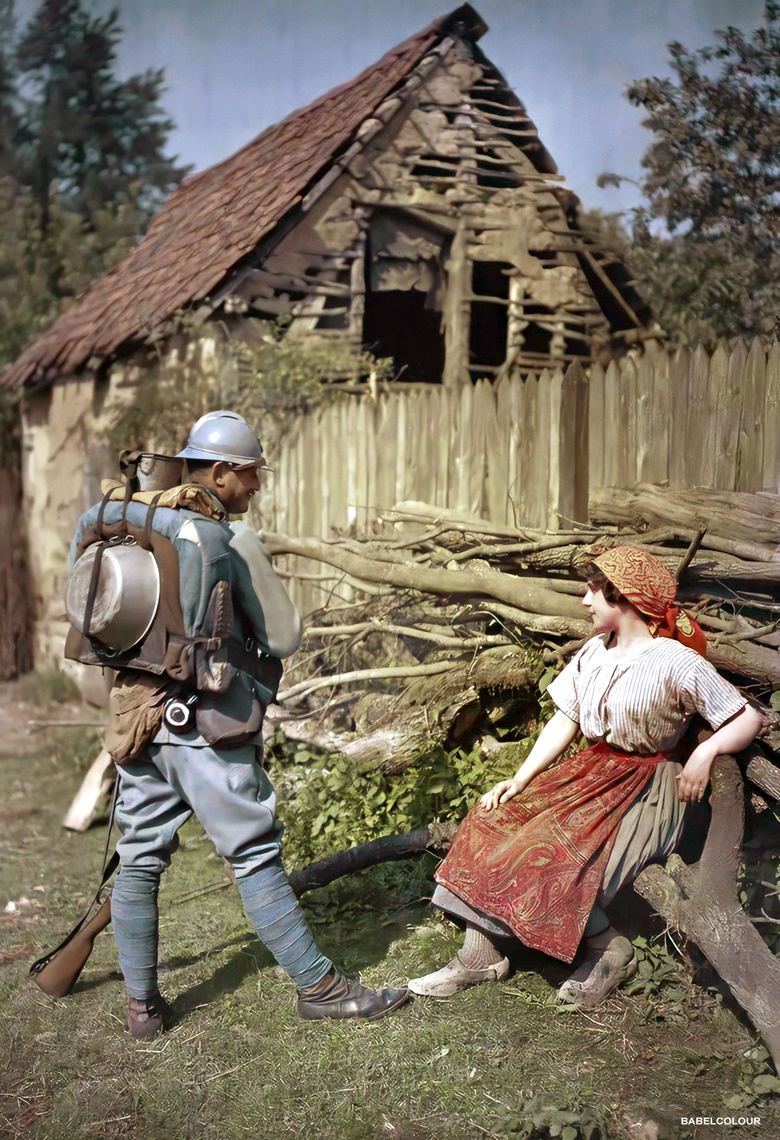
x=224 y=436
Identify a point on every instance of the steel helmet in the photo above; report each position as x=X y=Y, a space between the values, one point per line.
x=226 y=436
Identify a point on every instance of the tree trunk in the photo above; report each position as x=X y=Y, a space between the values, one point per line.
x=702 y=901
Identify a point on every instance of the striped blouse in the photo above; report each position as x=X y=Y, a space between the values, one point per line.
x=645 y=702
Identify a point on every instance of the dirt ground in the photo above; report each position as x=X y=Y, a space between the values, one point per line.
x=497 y=1061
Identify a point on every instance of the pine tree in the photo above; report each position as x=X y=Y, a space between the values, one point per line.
x=85 y=135
x=8 y=111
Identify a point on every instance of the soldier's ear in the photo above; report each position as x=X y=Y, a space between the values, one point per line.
x=218 y=472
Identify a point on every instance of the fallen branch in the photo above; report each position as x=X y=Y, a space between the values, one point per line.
x=389 y=849
x=363 y=675
x=531 y=595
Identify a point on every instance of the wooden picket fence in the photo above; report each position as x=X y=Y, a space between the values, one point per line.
x=515 y=452
x=526 y=451
x=688 y=419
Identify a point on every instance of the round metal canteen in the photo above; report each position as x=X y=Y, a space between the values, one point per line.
x=127 y=596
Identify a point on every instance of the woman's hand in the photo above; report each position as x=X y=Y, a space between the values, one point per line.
x=695 y=775
x=502 y=793
x=729 y=739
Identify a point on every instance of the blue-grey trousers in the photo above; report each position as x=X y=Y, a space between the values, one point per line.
x=234 y=800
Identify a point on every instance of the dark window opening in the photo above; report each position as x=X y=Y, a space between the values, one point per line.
x=397 y=324
x=336 y=320
x=489 y=318
x=574 y=346
x=536 y=340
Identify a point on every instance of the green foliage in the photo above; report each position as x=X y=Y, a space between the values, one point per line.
x=283 y=373
x=82 y=162
x=756 y=1080
x=659 y=970
x=99 y=140
x=711 y=176
x=8 y=112
x=336 y=807
x=40 y=275
x=268 y=383
x=536 y=1120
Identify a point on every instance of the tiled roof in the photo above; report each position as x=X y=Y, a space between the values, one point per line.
x=218 y=216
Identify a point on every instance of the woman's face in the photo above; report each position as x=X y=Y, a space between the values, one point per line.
x=604 y=615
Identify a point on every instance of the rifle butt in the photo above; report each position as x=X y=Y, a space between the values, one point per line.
x=57 y=973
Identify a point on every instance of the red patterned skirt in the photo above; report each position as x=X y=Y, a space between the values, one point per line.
x=537 y=862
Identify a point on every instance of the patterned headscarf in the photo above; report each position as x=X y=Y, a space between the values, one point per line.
x=645 y=582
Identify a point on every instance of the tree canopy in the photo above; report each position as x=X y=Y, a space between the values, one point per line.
x=83 y=161
x=712 y=179
x=98 y=140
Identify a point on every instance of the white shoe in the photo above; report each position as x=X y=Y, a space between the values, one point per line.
x=455 y=977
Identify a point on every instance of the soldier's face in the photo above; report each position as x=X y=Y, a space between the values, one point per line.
x=236 y=487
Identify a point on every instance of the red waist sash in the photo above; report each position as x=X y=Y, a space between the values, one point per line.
x=538 y=862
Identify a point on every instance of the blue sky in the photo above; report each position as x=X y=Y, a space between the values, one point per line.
x=235 y=67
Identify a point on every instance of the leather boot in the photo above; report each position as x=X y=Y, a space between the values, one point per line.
x=147 y=1018
x=338 y=997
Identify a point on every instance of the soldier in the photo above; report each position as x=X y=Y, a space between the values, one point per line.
x=195 y=746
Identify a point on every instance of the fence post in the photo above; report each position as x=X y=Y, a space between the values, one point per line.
x=596 y=426
x=726 y=381
x=699 y=440
x=612 y=425
x=770 y=479
x=555 y=406
x=679 y=373
x=572 y=503
x=652 y=429
x=750 y=458
x=538 y=474
x=535 y=450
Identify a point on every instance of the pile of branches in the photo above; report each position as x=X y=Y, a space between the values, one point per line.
x=457 y=618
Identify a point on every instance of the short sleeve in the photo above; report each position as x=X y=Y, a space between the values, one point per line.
x=564 y=690
x=704 y=691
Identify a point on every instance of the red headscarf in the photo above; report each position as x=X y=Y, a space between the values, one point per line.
x=645 y=582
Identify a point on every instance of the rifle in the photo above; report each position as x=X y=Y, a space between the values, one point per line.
x=56 y=973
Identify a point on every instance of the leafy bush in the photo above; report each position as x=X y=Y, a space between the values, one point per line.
x=534 y=1120
x=336 y=807
x=268 y=381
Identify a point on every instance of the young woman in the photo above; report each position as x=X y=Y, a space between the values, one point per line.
x=540 y=854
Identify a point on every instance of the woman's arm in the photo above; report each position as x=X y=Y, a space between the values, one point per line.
x=555 y=738
x=735 y=735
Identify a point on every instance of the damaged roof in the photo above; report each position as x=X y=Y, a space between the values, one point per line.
x=218 y=216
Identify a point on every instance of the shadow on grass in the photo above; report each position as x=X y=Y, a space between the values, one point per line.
x=352 y=947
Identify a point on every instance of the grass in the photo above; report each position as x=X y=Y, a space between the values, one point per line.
x=497 y=1061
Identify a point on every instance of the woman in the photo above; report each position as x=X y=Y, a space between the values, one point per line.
x=541 y=854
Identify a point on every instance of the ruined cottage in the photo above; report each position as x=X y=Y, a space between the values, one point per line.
x=413 y=211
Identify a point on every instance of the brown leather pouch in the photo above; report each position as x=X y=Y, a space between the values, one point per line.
x=227 y=723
